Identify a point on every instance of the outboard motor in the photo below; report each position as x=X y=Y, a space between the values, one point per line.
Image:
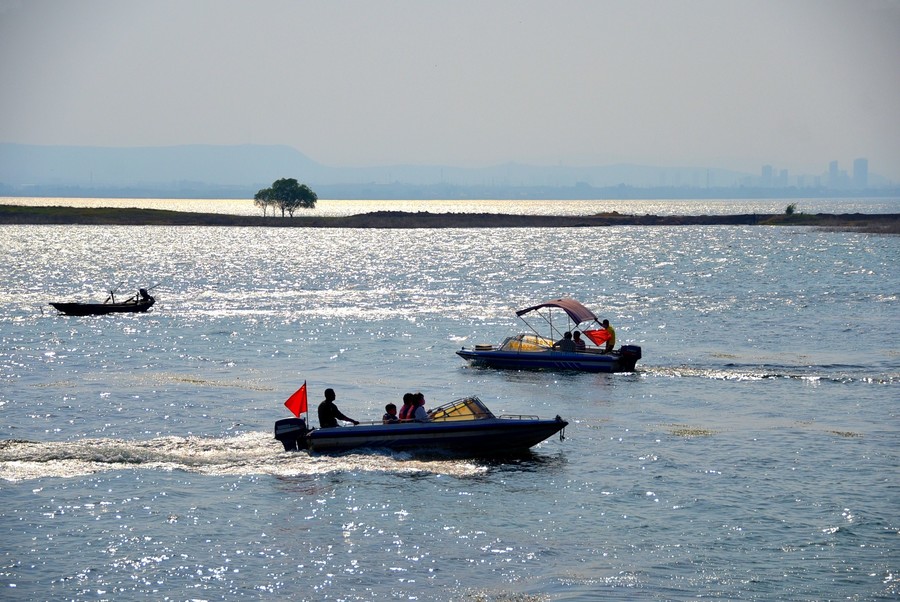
x=292 y=433
x=628 y=356
x=631 y=351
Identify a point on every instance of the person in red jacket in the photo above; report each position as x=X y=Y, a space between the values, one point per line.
x=409 y=407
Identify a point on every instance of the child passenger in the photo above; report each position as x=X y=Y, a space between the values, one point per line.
x=390 y=414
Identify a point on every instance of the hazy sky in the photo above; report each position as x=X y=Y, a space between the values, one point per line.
x=718 y=83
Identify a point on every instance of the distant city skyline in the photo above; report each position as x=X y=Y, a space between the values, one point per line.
x=239 y=171
x=834 y=177
x=356 y=84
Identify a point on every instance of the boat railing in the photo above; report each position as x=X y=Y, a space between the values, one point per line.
x=459 y=410
x=380 y=422
x=452 y=418
x=519 y=417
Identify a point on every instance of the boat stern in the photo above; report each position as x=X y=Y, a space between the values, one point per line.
x=628 y=357
x=292 y=433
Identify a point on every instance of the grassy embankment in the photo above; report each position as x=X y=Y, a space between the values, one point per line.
x=15 y=214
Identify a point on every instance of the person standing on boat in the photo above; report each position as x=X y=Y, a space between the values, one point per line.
x=566 y=343
x=420 y=414
x=611 y=341
x=580 y=344
x=329 y=413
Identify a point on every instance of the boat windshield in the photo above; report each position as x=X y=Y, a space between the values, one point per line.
x=526 y=342
x=468 y=408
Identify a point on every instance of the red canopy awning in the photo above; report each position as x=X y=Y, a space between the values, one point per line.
x=577 y=312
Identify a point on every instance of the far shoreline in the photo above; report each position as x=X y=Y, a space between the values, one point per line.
x=887 y=223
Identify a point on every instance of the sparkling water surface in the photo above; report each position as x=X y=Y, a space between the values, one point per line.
x=753 y=455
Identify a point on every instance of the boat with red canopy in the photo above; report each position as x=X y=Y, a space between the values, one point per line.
x=535 y=351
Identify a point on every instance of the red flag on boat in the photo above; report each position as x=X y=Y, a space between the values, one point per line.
x=296 y=403
x=597 y=336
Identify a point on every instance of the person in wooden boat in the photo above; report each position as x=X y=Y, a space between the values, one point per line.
x=390 y=414
x=580 y=344
x=566 y=343
x=329 y=413
x=611 y=341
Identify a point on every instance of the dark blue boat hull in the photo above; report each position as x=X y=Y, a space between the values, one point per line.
x=623 y=360
x=491 y=436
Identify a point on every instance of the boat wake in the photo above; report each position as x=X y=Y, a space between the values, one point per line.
x=810 y=374
x=254 y=453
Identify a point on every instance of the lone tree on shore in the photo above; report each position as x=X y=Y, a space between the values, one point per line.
x=263 y=198
x=286 y=194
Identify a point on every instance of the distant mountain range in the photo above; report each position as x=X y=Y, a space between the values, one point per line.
x=204 y=171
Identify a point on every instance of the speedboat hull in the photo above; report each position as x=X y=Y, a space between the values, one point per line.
x=622 y=360
x=491 y=436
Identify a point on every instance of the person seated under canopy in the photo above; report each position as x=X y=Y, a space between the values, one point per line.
x=566 y=343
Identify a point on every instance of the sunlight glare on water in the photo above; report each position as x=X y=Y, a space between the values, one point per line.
x=751 y=456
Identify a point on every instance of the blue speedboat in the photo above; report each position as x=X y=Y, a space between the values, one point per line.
x=462 y=427
x=534 y=351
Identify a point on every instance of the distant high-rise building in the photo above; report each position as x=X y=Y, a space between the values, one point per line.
x=767 y=175
x=861 y=173
x=834 y=176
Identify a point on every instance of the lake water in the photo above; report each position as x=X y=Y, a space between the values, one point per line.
x=754 y=455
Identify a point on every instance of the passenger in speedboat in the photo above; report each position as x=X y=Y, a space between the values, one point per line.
x=420 y=414
x=409 y=407
x=566 y=343
x=329 y=413
x=580 y=345
x=390 y=414
x=611 y=341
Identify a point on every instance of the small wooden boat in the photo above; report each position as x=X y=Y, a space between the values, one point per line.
x=463 y=427
x=139 y=303
x=533 y=351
